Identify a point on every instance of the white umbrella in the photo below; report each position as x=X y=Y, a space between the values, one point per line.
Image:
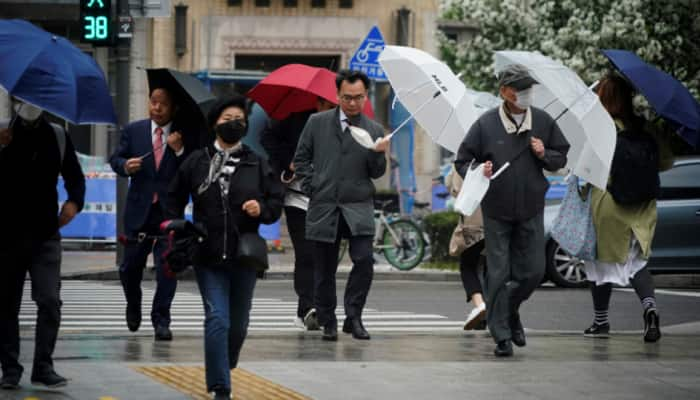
x=431 y=93
x=581 y=117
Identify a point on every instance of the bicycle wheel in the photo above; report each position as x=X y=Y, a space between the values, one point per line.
x=405 y=248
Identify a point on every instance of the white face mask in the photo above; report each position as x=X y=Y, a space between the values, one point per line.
x=27 y=112
x=523 y=99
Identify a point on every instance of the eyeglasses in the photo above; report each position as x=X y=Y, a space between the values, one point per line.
x=348 y=99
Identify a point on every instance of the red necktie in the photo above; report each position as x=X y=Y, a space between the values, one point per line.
x=157 y=152
x=158 y=146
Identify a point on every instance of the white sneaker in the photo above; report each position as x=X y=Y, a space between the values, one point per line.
x=476 y=315
x=299 y=323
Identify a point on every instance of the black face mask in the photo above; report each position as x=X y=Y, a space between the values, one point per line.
x=231 y=131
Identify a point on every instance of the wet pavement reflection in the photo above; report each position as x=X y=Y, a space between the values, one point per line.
x=397 y=348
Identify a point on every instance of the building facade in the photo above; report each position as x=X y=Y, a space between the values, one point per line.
x=232 y=44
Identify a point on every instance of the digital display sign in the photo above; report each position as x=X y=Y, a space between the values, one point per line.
x=96 y=22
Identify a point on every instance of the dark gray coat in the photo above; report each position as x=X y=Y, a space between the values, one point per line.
x=518 y=193
x=336 y=173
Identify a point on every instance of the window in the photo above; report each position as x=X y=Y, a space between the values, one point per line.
x=262 y=3
x=318 y=3
x=235 y=2
x=344 y=3
x=680 y=182
x=290 y=3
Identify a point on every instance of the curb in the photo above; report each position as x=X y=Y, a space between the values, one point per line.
x=188 y=275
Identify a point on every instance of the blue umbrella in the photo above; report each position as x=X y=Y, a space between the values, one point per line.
x=670 y=99
x=51 y=73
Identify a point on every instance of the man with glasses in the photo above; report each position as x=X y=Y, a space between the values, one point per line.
x=336 y=173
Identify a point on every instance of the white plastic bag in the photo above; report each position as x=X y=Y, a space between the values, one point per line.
x=474 y=188
x=362 y=137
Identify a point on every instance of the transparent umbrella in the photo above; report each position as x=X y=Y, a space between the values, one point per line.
x=581 y=117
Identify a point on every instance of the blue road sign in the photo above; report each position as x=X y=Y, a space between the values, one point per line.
x=365 y=58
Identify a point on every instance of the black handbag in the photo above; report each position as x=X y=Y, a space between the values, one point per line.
x=252 y=252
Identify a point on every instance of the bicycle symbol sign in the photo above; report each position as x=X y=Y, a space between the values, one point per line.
x=365 y=58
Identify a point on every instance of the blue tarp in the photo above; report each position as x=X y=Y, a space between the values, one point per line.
x=403 y=179
x=98 y=220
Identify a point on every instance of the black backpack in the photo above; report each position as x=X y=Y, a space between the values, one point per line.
x=634 y=174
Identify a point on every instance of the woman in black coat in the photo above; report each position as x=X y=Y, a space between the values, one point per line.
x=233 y=191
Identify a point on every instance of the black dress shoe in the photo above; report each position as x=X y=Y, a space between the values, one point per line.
x=354 y=326
x=330 y=332
x=504 y=349
x=133 y=318
x=10 y=382
x=517 y=332
x=49 y=379
x=163 y=333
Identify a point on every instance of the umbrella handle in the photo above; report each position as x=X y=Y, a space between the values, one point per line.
x=500 y=170
x=410 y=117
x=150 y=153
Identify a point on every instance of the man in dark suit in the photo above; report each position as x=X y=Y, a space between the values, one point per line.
x=149 y=153
x=336 y=173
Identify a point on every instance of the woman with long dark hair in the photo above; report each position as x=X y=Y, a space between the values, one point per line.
x=624 y=215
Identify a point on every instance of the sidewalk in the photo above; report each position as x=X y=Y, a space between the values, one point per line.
x=412 y=367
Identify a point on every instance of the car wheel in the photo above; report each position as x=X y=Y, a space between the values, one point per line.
x=564 y=269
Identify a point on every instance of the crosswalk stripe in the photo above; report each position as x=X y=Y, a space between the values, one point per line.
x=99 y=307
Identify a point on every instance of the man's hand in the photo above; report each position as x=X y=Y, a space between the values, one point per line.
x=133 y=165
x=488 y=169
x=382 y=145
x=291 y=167
x=252 y=208
x=175 y=141
x=68 y=212
x=537 y=147
x=5 y=136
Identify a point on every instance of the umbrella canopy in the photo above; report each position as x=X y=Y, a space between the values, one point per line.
x=295 y=88
x=51 y=73
x=581 y=117
x=429 y=90
x=670 y=98
x=192 y=99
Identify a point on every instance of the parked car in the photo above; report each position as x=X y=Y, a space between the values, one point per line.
x=676 y=244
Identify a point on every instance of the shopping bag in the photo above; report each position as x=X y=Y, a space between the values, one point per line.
x=573 y=227
x=474 y=188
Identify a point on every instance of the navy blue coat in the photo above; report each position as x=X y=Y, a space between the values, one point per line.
x=136 y=140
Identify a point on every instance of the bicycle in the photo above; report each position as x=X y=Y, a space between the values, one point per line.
x=400 y=240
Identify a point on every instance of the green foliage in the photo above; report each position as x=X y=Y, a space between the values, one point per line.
x=665 y=33
x=439 y=227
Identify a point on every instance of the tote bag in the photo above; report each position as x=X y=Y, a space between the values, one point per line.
x=573 y=228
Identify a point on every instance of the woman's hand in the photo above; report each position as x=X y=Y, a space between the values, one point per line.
x=252 y=208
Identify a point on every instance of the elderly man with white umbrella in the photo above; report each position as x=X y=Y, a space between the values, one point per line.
x=530 y=140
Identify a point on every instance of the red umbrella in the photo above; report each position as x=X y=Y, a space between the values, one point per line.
x=294 y=88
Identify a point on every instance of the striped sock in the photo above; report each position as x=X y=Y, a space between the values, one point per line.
x=648 y=302
x=601 y=317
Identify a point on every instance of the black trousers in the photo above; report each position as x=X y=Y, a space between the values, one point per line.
x=516 y=266
x=359 y=281
x=469 y=271
x=43 y=262
x=303 y=259
x=131 y=271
